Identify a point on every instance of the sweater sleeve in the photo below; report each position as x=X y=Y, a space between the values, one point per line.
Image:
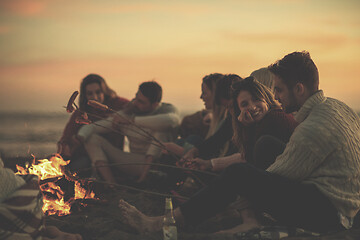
x=158 y=122
x=300 y=158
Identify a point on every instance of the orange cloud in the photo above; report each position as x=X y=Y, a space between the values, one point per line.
x=23 y=7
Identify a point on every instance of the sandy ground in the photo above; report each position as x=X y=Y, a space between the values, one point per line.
x=102 y=219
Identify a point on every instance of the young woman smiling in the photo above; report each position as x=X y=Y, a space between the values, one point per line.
x=258 y=123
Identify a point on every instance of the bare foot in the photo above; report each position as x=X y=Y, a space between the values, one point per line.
x=52 y=232
x=246 y=226
x=139 y=221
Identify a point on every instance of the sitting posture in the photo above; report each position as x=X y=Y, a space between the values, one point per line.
x=314 y=184
x=92 y=87
x=220 y=144
x=212 y=119
x=145 y=122
x=256 y=114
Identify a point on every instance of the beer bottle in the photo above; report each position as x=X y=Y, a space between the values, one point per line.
x=169 y=226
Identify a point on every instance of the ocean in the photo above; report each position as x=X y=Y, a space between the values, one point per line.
x=25 y=133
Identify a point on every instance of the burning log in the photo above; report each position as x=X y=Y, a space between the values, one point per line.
x=59 y=187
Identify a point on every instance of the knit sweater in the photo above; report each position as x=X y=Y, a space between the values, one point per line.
x=324 y=151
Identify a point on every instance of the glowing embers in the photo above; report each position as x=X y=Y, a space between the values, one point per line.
x=59 y=187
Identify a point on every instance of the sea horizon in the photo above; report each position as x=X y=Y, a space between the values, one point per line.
x=27 y=133
x=23 y=134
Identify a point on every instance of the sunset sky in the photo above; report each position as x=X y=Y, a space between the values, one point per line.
x=48 y=46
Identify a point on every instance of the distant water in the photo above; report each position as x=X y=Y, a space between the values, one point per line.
x=23 y=134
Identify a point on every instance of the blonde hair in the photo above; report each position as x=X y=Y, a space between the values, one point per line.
x=265 y=77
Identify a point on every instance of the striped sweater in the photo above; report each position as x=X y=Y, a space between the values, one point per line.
x=324 y=150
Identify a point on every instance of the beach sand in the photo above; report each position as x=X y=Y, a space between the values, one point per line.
x=102 y=219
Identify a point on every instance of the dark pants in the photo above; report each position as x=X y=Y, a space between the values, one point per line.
x=266 y=149
x=289 y=202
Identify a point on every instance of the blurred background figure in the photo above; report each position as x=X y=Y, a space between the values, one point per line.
x=92 y=87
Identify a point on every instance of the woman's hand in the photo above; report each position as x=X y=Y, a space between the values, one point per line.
x=197 y=163
x=245 y=118
x=190 y=155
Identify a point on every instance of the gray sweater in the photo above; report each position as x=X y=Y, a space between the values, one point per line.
x=324 y=150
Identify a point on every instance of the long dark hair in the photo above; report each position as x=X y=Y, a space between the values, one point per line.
x=218 y=110
x=259 y=92
x=89 y=79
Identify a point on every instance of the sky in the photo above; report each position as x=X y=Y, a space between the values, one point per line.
x=48 y=46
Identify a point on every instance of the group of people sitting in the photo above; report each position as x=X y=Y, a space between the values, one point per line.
x=279 y=144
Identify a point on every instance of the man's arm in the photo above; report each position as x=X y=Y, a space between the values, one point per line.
x=158 y=122
x=298 y=160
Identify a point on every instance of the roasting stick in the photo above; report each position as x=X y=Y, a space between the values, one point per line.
x=159 y=165
x=138 y=189
x=151 y=142
x=120 y=132
x=71 y=106
x=104 y=107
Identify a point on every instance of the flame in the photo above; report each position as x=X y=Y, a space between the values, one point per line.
x=53 y=195
x=46 y=168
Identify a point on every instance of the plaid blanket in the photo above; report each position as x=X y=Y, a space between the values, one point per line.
x=21 y=215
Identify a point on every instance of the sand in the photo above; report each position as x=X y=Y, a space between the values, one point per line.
x=101 y=219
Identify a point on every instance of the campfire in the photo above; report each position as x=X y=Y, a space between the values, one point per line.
x=59 y=187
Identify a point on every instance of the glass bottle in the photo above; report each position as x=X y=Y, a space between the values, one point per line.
x=169 y=225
